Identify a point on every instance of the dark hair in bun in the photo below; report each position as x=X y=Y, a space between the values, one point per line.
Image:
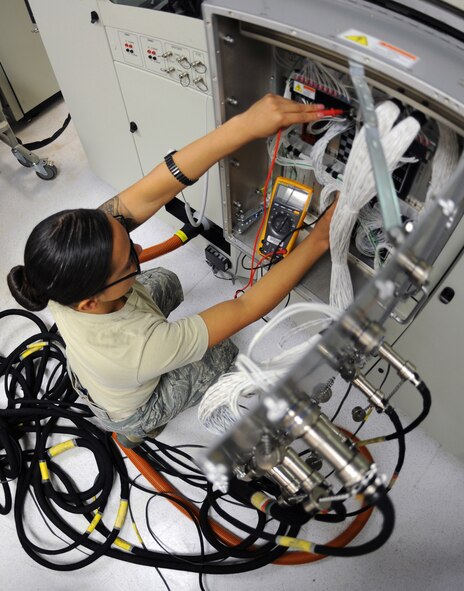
x=67 y=259
x=22 y=291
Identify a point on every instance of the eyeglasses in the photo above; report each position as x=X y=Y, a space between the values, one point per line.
x=133 y=255
x=135 y=258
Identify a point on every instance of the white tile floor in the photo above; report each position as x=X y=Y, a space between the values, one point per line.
x=425 y=551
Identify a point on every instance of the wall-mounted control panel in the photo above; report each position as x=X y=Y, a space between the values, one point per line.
x=184 y=65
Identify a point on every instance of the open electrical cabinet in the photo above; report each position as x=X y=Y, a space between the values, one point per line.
x=412 y=55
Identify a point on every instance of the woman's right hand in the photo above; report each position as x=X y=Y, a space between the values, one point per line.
x=273 y=112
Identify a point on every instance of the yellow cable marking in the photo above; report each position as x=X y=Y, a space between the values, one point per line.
x=44 y=470
x=122 y=544
x=368 y=413
x=95 y=521
x=182 y=235
x=258 y=499
x=61 y=447
x=365 y=442
x=297 y=543
x=122 y=512
x=139 y=537
x=32 y=348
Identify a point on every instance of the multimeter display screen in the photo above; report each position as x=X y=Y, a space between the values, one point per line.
x=291 y=197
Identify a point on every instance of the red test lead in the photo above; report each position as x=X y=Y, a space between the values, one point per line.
x=331 y=112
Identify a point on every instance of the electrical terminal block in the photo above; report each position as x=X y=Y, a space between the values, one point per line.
x=216 y=259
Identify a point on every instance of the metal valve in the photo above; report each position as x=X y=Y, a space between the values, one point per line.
x=166 y=54
x=169 y=70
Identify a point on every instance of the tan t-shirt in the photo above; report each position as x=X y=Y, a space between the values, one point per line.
x=119 y=357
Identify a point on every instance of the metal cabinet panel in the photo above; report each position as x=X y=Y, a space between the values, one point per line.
x=23 y=59
x=83 y=65
x=434 y=342
x=169 y=117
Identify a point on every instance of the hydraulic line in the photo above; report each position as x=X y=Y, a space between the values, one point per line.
x=181 y=237
x=385 y=506
x=160 y=483
x=37 y=400
x=152 y=252
x=426 y=402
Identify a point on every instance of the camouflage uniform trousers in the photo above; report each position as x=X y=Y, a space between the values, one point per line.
x=180 y=388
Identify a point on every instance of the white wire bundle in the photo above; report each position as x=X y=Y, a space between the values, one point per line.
x=370 y=235
x=222 y=404
x=314 y=162
x=319 y=149
x=322 y=76
x=302 y=162
x=358 y=188
x=286 y=59
x=444 y=162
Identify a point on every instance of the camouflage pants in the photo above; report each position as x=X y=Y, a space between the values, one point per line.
x=183 y=387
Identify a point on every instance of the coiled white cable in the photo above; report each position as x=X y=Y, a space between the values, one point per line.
x=358 y=188
x=444 y=162
x=225 y=401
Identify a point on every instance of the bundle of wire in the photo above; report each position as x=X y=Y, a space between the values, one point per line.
x=359 y=188
x=444 y=162
x=224 y=403
x=42 y=408
x=371 y=239
x=315 y=160
x=323 y=79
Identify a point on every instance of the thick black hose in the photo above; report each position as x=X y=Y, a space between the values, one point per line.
x=385 y=506
x=427 y=403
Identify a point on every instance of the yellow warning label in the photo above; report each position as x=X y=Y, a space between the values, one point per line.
x=382 y=48
x=361 y=39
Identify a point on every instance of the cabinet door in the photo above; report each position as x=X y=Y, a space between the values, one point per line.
x=434 y=343
x=83 y=64
x=23 y=57
x=169 y=116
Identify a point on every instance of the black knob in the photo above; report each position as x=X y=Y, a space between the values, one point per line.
x=133 y=127
x=447 y=295
x=281 y=224
x=94 y=18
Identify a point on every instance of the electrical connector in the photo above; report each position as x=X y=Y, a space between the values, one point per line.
x=216 y=259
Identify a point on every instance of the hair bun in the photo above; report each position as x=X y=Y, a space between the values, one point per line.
x=23 y=292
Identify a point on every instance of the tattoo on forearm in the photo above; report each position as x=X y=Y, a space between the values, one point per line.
x=115 y=207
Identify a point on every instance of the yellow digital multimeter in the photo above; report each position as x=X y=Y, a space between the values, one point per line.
x=286 y=212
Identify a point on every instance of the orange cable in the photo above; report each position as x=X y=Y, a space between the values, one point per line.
x=157 y=250
x=163 y=485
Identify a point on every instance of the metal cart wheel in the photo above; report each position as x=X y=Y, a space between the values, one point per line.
x=49 y=174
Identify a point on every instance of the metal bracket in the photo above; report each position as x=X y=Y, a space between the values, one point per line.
x=385 y=189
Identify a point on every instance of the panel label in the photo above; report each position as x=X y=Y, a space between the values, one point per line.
x=382 y=48
x=304 y=89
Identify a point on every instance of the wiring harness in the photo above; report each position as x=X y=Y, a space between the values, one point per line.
x=43 y=423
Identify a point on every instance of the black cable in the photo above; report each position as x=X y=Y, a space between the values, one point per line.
x=36 y=400
x=385 y=506
x=141 y=540
x=342 y=403
x=42 y=143
x=427 y=403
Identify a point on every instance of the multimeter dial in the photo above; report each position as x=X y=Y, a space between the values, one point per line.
x=282 y=224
